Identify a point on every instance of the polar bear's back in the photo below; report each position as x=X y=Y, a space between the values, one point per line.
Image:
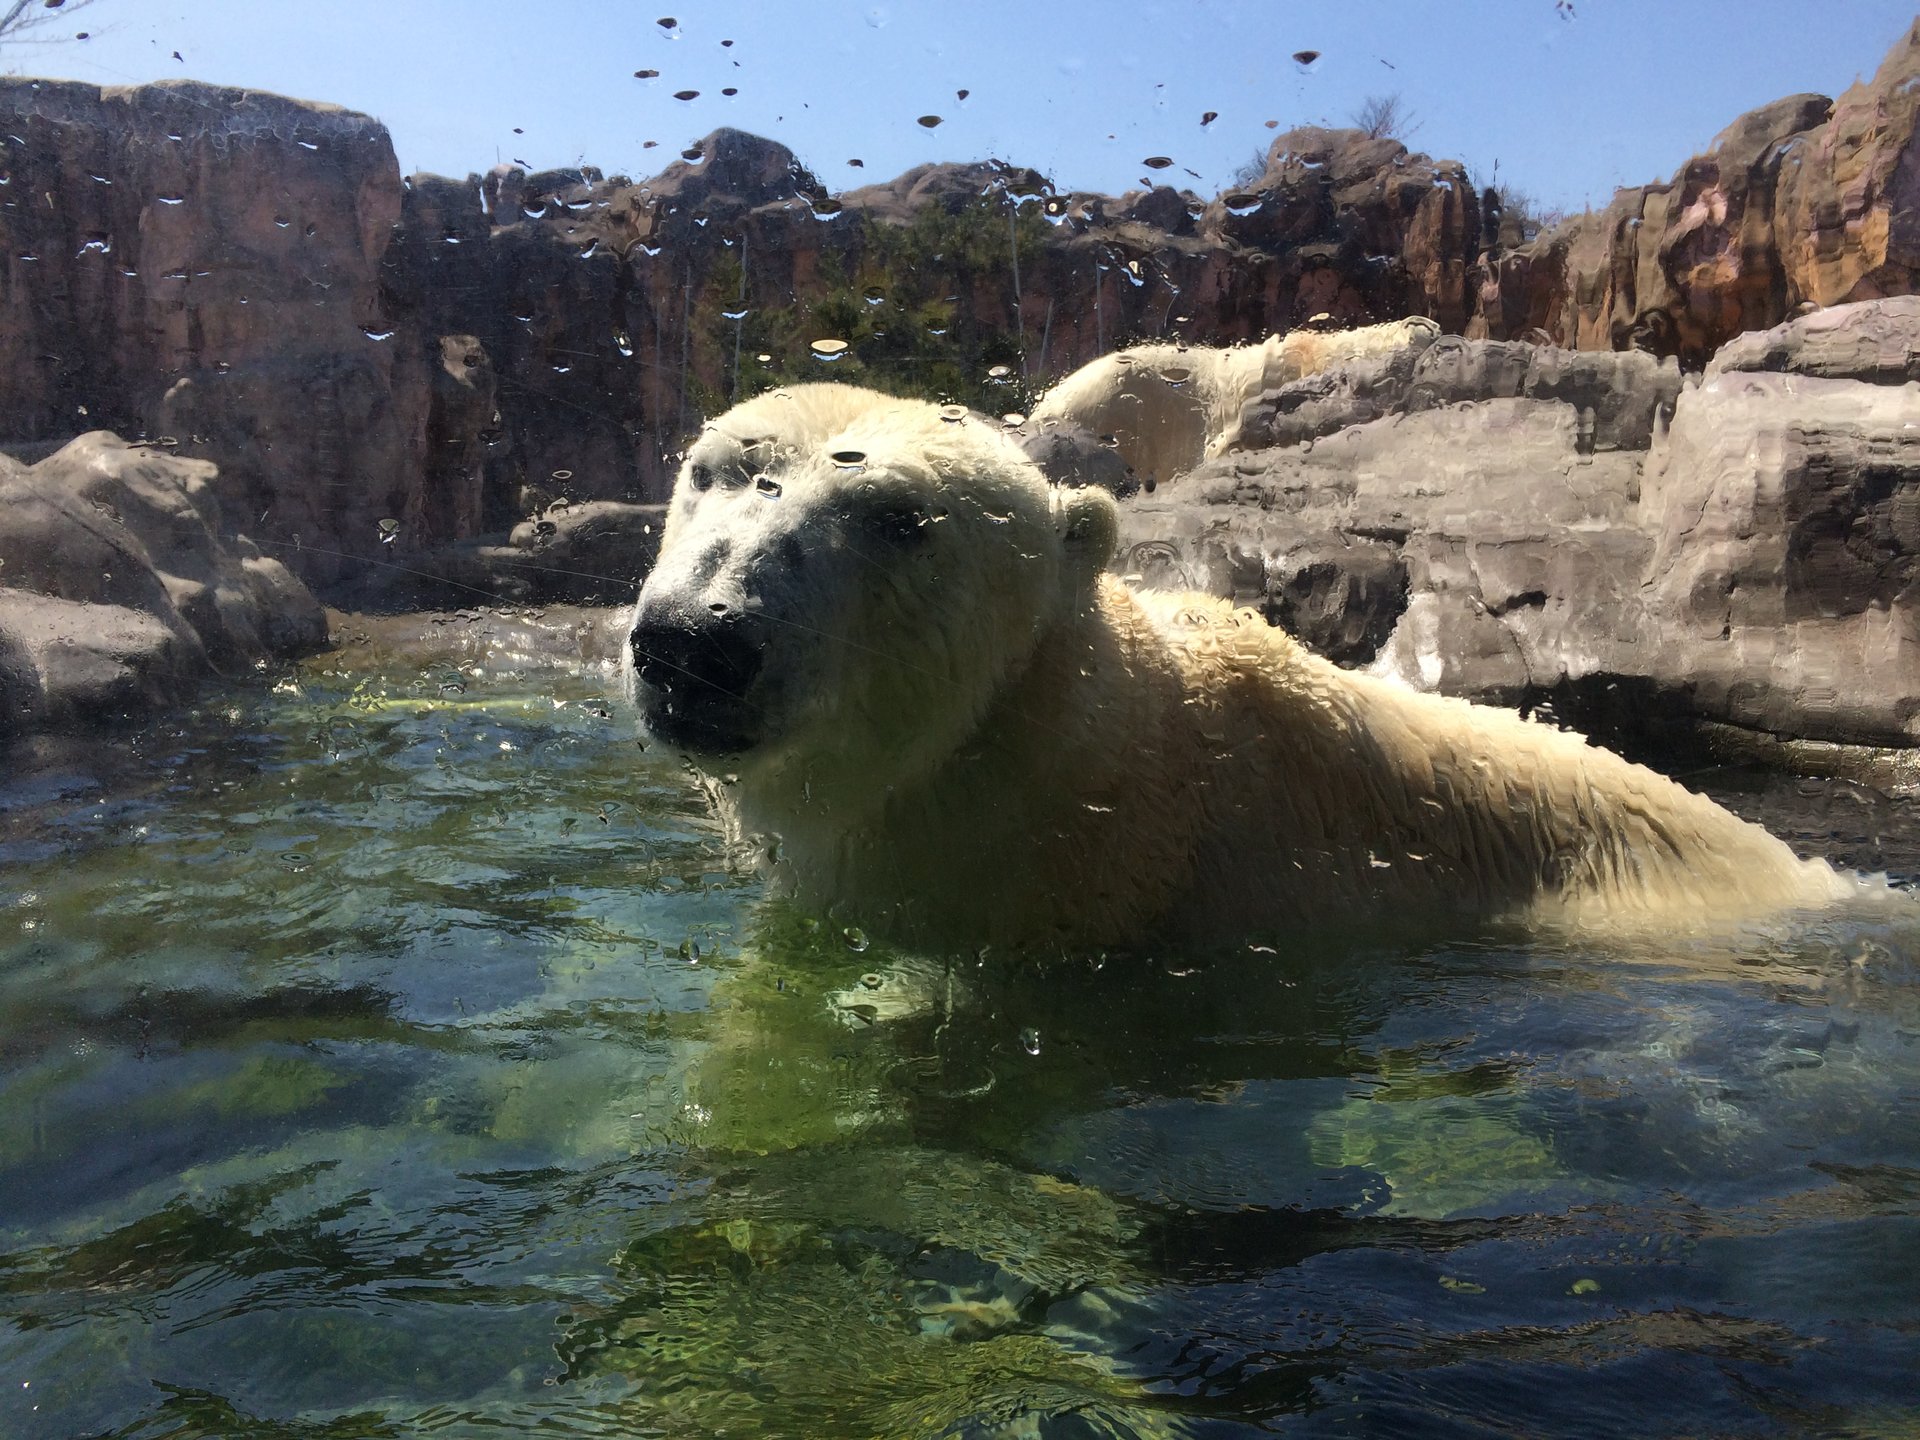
x=1333 y=790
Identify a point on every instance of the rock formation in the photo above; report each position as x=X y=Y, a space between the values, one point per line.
x=118 y=595
x=1803 y=201
x=1745 y=549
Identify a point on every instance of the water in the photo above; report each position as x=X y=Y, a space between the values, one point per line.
x=387 y=1058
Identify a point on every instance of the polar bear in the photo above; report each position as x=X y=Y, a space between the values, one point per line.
x=1169 y=407
x=894 y=651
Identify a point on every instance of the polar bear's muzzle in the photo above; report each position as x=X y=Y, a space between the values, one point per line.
x=696 y=669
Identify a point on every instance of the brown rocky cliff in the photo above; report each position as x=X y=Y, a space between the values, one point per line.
x=250 y=277
x=1803 y=201
x=203 y=263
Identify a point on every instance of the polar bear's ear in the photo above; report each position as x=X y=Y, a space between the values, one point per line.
x=1088 y=524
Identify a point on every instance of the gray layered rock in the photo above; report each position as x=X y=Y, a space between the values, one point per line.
x=1877 y=342
x=1785 y=573
x=117 y=593
x=1618 y=398
x=1451 y=520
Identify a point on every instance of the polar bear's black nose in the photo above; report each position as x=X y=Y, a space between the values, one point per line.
x=696 y=667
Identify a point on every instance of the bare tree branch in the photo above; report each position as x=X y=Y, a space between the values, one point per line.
x=20 y=17
x=1387 y=117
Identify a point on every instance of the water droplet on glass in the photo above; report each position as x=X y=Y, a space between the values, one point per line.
x=929 y=121
x=1157 y=162
x=389 y=531
x=1030 y=1040
x=767 y=486
x=96 y=245
x=1013 y=419
x=828 y=349
x=1305 y=58
x=874 y=295
x=953 y=414
x=1209 y=117
x=849 y=459
x=171 y=199
x=373 y=334
x=1241 y=203
x=686 y=94
x=1000 y=373
x=826 y=208
x=296 y=860
x=646 y=74
x=855 y=937
x=1176 y=375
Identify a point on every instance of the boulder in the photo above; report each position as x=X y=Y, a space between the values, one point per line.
x=1618 y=398
x=1877 y=341
x=120 y=594
x=1785 y=573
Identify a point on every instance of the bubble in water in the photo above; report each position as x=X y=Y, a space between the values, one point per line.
x=1030 y=1040
x=855 y=938
x=828 y=349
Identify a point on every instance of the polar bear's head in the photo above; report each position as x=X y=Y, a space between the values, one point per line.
x=845 y=583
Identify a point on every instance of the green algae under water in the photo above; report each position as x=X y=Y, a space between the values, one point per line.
x=387 y=1058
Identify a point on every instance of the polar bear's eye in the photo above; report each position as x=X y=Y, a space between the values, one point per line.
x=700 y=477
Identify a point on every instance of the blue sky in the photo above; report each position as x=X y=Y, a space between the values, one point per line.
x=1620 y=93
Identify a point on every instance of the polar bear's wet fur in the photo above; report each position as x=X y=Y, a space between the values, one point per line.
x=1169 y=407
x=897 y=655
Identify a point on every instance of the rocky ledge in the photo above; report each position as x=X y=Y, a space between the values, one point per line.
x=1526 y=525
